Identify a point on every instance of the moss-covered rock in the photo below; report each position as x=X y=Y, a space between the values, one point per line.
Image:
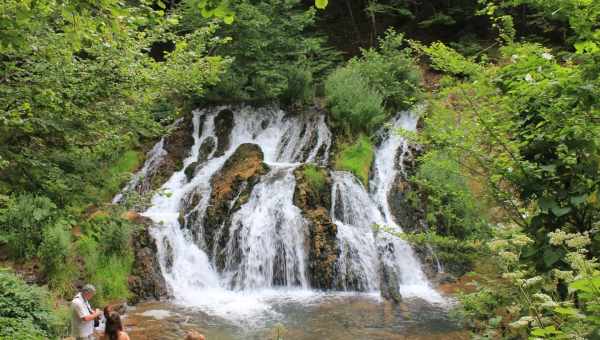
x=231 y=188
x=355 y=157
x=313 y=196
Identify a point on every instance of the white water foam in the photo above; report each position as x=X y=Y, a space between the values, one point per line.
x=397 y=253
x=272 y=230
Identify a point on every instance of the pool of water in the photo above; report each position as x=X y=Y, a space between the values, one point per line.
x=297 y=316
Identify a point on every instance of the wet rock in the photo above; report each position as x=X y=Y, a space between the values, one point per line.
x=178 y=145
x=231 y=188
x=190 y=170
x=390 y=287
x=443 y=278
x=206 y=148
x=146 y=280
x=313 y=197
x=223 y=125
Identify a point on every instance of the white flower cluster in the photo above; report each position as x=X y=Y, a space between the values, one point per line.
x=547 y=56
x=521 y=240
x=571 y=240
x=521 y=323
x=566 y=275
x=509 y=256
x=533 y=281
x=545 y=300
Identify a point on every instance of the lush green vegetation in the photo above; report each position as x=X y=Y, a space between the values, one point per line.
x=363 y=92
x=26 y=312
x=356 y=157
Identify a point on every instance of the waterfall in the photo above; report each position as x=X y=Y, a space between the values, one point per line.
x=140 y=182
x=355 y=215
x=265 y=236
x=272 y=230
x=396 y=254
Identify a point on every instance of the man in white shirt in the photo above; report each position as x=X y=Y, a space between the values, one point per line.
x=82 y=323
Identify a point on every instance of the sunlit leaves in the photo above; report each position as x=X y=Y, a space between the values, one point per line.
x=321 y=4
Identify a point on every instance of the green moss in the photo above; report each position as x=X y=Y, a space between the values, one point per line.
x=356 y=158
x=315 y=177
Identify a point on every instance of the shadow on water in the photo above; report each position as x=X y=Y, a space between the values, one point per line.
x=338 y=316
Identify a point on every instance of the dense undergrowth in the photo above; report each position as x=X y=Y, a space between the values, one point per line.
x=507 y=182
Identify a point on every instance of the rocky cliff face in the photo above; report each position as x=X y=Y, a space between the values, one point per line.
x=314 y=199
x=146 y=280
x=231 y=188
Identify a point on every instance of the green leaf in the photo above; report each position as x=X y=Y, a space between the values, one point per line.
x=577 y=200
x=228 y=19
x=551 y=257
x=546 y=203
x=321 y=4
x=558 y=211
x=565 y=311
x=585 y=285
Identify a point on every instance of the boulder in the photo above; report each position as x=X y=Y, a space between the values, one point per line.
x=231 y=188
x=223 y=125
x=314 y=199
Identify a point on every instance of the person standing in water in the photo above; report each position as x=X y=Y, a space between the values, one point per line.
x=82 y=320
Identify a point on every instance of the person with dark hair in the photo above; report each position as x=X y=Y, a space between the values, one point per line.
x=114 y=327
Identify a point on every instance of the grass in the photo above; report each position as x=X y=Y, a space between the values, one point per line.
x=356 y=157
x=315 y=177
x=110 y=279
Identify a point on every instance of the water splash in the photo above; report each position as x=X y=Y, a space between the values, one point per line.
x=396 y=254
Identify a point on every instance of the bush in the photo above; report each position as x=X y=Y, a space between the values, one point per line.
x=107 y=255
x=300 y=87
x=356 y=158
x=354 y=105
x=25 y=311
x=111 y=233
x=54 y=254
x=452 y=208
x=23 y=222
x=111 y=279
x=379 y=81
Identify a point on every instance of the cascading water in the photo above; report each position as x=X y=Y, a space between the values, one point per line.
x=396 y=254
x=141 y=180
x=266 y=235
x=271 y=229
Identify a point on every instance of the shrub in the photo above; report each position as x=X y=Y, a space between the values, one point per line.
x=354 y=105
x=300 y=87
x=452 y=208
x=54 y=254
x=111 y=279
x=25 y=311
x=356 y=158
x=23 y=221
x=110 y=232
x=381 y=80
